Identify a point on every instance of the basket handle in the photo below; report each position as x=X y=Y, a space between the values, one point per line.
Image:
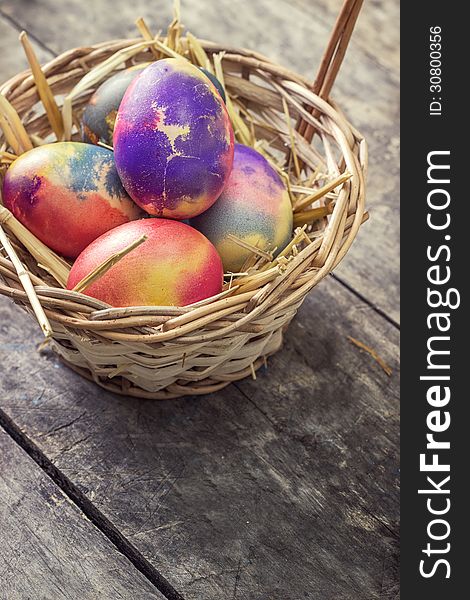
x=332 y=58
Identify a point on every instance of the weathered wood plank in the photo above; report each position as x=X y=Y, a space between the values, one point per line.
x=48 y=548
x=13 y=59
x=286 y=487
x=294 y=34
x=376 y=33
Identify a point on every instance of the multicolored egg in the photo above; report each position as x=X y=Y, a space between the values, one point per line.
x=100 y=113
x=173 y=141
x=175 y=266
x=254 y=207
x=67 y=194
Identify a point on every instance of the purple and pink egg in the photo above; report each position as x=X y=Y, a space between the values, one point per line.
x=173 y=141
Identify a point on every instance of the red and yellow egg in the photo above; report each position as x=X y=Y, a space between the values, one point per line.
x=175 y=266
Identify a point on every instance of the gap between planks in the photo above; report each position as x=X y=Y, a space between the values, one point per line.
x=15 y=25
x=366 y=301
x=85 y=505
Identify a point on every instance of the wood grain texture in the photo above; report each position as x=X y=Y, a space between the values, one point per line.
x=286 y=487
x=13 y=59
x=376 y=32
x=294 y=34
x=48 y=550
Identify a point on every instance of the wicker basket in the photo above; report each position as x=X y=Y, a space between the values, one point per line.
x=166 y=352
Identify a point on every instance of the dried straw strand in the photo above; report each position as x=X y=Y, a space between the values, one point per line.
x=52 y=263
x=147 y=35
x=323 y=191
x=25 y=280
x=104 y=267
x=309 y=216
x=13 y=128
x=10 y=137
x=241 y=131
x=44 y=91
x=199 y=53
x=378 y=359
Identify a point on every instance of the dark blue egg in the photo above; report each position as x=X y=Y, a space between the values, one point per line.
x=100 y=113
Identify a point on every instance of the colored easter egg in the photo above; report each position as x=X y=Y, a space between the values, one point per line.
x=67 y=194
x=216 y=82
x=100 y=113
x=254 y=207
x=175 y=266
x=173 y=141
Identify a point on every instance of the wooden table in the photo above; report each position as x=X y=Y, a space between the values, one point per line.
x=282 y=488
